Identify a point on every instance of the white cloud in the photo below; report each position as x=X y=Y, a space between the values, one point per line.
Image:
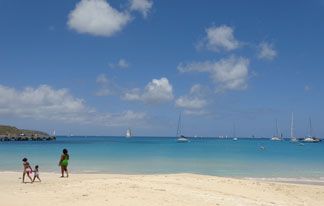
x=142 y=6
x=121 y=64
x=195 y=112
x=266 y=51
x=106 y=87
x=219 y=39
x=194 y=102
x=228 y=74
x=46 y=103
x=97 y=17
x=156 y=91
x=133 y=95
x=190 y=102
x=42 y=102
x=102 y=79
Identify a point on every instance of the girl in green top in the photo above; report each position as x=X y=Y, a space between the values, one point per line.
x=64 y=162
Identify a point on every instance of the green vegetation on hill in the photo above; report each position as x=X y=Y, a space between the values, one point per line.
x=13 y=131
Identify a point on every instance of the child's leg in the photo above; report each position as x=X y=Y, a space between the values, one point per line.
x=38 y=178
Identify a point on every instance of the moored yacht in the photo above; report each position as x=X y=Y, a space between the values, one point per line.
x=276 y=136
x=311 y=138
x=292 y=136
x=180 y=138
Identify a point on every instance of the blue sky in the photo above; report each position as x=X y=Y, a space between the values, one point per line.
x=98 y=67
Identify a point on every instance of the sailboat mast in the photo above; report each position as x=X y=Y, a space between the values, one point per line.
x=292 y=126
x=277 y=130
x=310 y=128
x=234 y=131
x=179 y=125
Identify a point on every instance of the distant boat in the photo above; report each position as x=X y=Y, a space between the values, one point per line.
x=180 y=138
x=292 y=128
x=276 y=136
x=311 y=138
x=128 y=133
x=234 y=133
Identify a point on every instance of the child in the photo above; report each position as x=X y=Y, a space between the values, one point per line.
x=36 y=174
x=27 y=170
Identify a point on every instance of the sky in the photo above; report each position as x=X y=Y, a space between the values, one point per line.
x=98 y=67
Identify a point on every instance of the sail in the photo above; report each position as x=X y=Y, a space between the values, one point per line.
x=128 y=132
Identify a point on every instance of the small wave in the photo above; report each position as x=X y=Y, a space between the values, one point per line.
x=298 y=180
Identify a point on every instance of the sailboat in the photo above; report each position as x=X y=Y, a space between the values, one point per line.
x=180 y=137
x=128 y=133
x=234 y=133
x=276 y=136
x=292 y=137
x=311 y=138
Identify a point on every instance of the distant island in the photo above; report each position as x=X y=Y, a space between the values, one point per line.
x=11 y=133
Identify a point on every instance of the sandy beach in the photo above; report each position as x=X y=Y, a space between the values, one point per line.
x=142 y=190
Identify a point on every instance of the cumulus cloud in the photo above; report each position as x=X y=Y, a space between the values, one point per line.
x=46 y=103
x=228 y=74
x=266 y=51
x=121 y=64
x=41 y=102
x=97 y=17
x=156 y=91
x=219 y=39
x=142 y=6
x=194 y=102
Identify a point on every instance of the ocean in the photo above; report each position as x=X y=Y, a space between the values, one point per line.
x=281 y=160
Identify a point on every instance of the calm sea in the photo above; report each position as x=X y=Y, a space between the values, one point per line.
x=149 y=155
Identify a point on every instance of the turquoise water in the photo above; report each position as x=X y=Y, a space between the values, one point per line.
x=145 y=155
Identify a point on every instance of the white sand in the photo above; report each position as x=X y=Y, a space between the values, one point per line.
x=151 y=190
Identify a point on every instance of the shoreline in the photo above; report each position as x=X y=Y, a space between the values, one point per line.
x=289 y=180
x=158 y=189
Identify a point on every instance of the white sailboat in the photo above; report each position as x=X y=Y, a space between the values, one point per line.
x=234 y=133
x=311 y=138
x=128 y=133
x=276 y=136
x=180 y=137
x=292 y=128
